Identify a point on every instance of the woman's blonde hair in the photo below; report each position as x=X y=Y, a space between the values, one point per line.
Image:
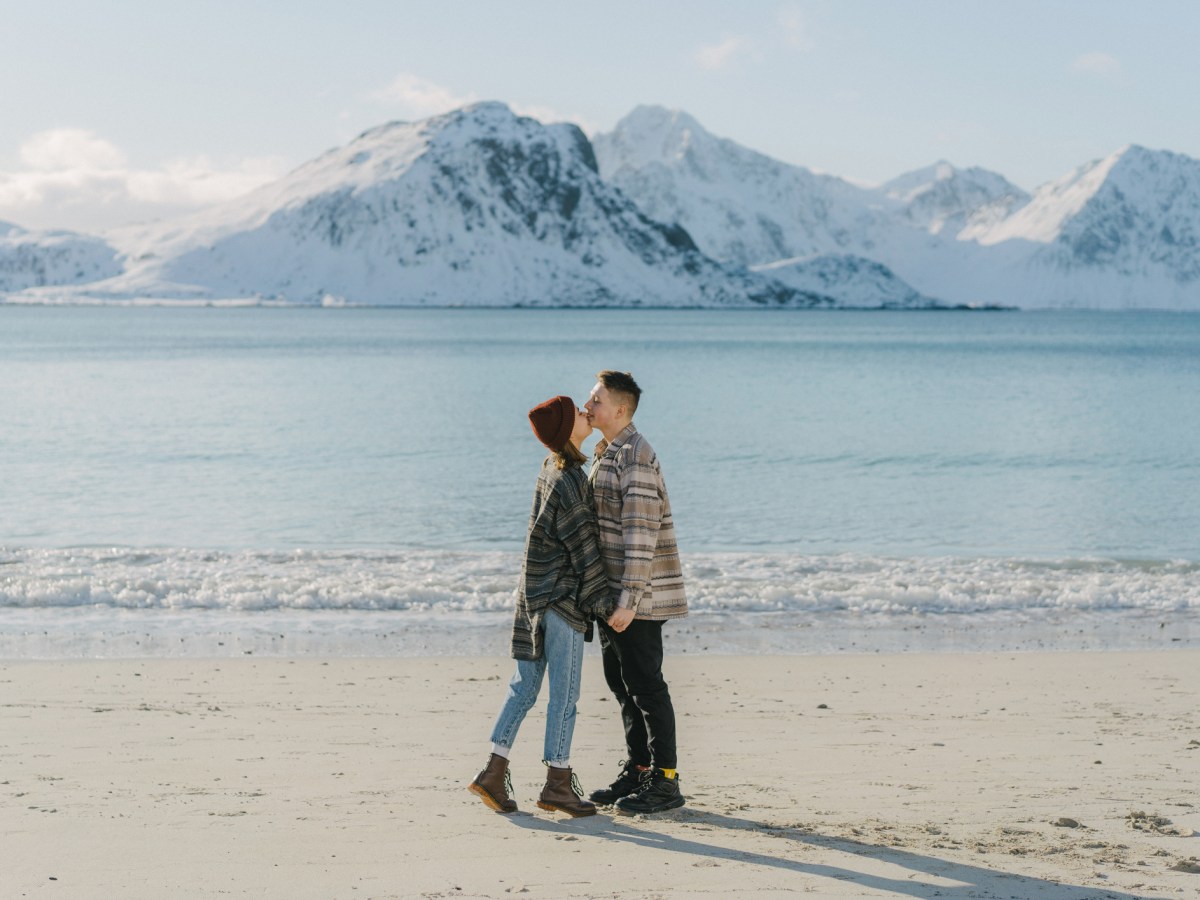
x=568 y=457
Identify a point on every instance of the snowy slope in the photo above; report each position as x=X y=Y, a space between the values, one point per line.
x=1120 y=232
x=30 y=259
x=1134 y=213
x=943 y=199
x=859 y=281
x=739 y=205
x=475 y=207
x=743 y=206
x=482 y=207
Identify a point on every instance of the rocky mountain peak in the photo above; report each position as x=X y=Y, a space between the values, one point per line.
x=739 y=205
x=1145 y=211
x=943 y=198
x=481 y=206
x=648 y=135
x=478 y=206
x=38 y=259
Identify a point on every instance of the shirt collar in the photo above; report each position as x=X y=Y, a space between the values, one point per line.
x=603 y=446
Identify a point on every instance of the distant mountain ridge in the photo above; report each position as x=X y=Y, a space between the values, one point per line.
x=1135 y=208
x=740 y=206
x=475 y=207
x=1118 y=232
x=34 y=259
x=942 y=197
x=834 y=274
x=483 y=207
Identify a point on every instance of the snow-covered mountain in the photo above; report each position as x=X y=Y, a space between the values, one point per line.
x=482 y=207
x=864 y=282
x=743 y=206
x=1120 y=232
x=739 y=205
x=31 y=259
x=475 y=207
x=944 y=199
x=1135 y=213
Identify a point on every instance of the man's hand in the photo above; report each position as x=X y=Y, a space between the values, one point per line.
x=620 y=619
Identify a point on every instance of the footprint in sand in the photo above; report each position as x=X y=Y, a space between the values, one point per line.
x=1140 y=821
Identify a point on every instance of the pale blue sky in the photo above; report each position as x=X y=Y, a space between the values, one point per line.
x=131 y=109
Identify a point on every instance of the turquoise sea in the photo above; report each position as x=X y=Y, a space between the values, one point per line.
x=254 y=459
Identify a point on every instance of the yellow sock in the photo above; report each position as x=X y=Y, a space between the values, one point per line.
x=670 y=773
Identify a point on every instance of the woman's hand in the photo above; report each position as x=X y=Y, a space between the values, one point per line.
x=620 y=619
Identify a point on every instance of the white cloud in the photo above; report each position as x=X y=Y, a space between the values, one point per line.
x=198 y=181
x=77 y=180
x=720 y=55
x=419 y=97
x=70 y=148
x=795 y=29
x=1097 y=64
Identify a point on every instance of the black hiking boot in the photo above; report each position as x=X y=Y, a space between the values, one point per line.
x=656 y=793
x=626 y=783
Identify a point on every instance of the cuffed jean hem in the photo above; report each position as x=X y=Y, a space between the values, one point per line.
x=562 y=656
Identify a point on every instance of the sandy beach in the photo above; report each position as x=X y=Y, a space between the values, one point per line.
x=1026 y=775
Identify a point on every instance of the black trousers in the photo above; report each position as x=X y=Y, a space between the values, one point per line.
x=633 y=669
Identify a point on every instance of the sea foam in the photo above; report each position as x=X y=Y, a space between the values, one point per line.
x=481 y=582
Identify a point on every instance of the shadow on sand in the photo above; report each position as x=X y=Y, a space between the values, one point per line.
x=973 y=881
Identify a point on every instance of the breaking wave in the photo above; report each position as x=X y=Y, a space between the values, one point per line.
x=480 y=582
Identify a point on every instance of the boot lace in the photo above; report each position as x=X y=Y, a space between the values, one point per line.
x=646 y=782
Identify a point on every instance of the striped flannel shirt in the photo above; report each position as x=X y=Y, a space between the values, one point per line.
x=637 y=532
x=562 y=567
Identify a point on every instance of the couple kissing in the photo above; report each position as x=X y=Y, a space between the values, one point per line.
x=600 y=550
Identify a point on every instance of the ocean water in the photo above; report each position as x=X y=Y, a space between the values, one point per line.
x=358 y=481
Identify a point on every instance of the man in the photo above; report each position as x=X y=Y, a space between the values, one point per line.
x=641 y=560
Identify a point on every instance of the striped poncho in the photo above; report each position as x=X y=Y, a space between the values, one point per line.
x=562 y=567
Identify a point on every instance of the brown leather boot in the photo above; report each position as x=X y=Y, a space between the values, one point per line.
x=563 y=793
x=494 y=786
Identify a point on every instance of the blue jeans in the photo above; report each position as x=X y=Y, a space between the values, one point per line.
x=562 y=654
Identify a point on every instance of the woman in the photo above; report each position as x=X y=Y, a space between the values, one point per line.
x=563 y=588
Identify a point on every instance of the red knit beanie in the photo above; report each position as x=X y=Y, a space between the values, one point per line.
x=553 y=421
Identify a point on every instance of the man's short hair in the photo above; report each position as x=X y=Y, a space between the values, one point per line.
x=621 y=383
